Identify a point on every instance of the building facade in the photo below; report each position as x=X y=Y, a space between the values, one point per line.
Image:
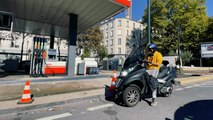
x=116 y=31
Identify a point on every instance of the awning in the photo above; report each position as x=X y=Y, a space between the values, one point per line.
x=45 y=17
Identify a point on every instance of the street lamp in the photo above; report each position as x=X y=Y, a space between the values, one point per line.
x=179 y=59
x=27 y=51
x=179 y=42
x=149 y=24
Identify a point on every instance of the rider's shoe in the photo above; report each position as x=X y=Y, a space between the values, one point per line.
x=154 y=102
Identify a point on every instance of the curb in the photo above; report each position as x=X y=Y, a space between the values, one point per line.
x=185 y=81
x=54 y=79
x=8 y=106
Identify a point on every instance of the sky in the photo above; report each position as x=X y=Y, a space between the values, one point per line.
x=138 y=7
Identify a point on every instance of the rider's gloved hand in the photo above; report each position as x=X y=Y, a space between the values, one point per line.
x=147 y=61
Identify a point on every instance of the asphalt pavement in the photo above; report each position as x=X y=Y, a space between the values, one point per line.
x=54 y=90
x=188 y=102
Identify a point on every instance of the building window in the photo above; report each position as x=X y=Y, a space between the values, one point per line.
x=111 y=50
x=119 y=23
x=119 y=50
x=107 y=43
x=127 y=23
x=111 y=42
x=119 y=32
x=133 y=25
x=111 y=24
x=107 y=26
x=111 y=33
x=119 y=41
x=127 y=32
x=106 y=34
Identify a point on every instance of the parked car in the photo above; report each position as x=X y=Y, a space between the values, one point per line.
x=10 y=65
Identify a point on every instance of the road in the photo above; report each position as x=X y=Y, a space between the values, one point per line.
x=191 y=102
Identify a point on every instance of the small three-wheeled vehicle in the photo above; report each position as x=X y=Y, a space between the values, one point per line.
x=132 y=83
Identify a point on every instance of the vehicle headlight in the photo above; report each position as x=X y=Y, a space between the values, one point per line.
x=124 y=73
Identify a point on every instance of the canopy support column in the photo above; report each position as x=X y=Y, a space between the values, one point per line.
x=72 y=38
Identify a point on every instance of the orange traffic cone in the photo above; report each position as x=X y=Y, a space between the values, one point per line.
x=26 y=97
x=114 y=78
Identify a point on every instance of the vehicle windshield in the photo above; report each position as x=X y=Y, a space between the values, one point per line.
x=136 y=56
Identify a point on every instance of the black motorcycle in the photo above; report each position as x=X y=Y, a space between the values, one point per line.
x=133 y=82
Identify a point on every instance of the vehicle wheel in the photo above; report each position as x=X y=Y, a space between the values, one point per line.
x=171 y=90
x=131 y=96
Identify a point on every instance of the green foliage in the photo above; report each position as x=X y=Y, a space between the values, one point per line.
x=102 y=52
x=86 y=54
x=91 y=40
x=186 y=57
x=207 y=36
x=171 y=53
x=169 y=15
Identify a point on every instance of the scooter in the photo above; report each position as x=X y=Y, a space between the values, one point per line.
x=132 y=83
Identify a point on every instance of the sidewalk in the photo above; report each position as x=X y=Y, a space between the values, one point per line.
x=27 y=77
x=10 y=90
x=57 y=91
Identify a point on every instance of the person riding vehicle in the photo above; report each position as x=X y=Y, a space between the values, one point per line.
x=154 y=60
x=134 y=83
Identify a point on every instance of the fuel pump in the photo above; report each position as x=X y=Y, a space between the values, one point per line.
x=37 y=58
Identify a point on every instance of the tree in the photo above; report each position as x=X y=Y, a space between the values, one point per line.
x=136 y=38
x=102 y=52
x=86 y=53
x=24 y=36
x=186 y=57
x=167 y=16
x=5 y=35
x=207 y=36
x=90 y=40
x=58 y=42
x=14 y=37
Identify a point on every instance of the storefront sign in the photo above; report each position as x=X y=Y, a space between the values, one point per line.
x=206 y=50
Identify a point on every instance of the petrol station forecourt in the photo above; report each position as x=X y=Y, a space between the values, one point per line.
x=62 y=19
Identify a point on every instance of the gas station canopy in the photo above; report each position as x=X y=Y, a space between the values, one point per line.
x=51 y=17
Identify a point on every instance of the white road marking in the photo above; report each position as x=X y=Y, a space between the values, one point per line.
x=56 y=116
x=99 y=107
x=209 y=84
x=206 y=86
x=188 y=87
x=197 y=85
x=179 y=89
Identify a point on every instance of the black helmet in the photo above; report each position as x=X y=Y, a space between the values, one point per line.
x=152 y=46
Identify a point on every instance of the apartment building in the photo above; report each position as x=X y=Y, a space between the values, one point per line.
x=115 y=33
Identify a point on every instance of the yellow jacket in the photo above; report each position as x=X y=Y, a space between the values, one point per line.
x=156 y=58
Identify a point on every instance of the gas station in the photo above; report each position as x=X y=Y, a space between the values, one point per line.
x=56 y=18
